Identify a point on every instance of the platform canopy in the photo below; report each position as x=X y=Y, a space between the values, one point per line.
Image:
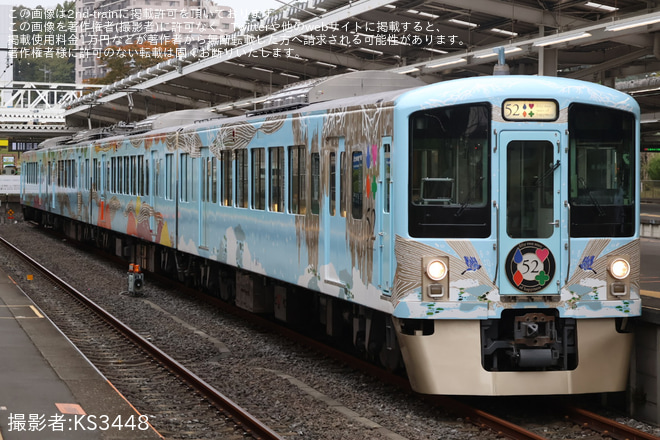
x=613 y=42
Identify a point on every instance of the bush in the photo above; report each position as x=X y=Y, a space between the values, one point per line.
x=654 y=167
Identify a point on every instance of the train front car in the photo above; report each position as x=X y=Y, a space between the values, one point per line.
x=518 y=257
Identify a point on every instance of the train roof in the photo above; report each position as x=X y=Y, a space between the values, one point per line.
x=500 y=87
x=370 y=87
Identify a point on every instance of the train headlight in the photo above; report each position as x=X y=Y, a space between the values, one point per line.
x=436 y=270
x=619 y=268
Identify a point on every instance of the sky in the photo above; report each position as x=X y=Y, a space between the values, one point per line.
x=241 y=7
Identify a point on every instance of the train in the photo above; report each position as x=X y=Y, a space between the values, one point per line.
x=481 y=234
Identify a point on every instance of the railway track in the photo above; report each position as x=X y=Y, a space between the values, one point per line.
x=488 y=424
x=604 y=426
x=128 y=359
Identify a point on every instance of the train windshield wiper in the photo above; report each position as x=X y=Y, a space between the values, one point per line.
x=545 y=175
x=594 y=202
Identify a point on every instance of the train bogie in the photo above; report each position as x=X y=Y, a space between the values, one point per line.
x=483 y=228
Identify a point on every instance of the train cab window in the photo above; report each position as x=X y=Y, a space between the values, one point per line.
x=259 y=178
x=241 y=178
x=602 y=160
x=316 y=182
x=449 y=172
x=276 y=176
x=227 y=185
x=357 y=172
x=297 y=180
x=332 y=164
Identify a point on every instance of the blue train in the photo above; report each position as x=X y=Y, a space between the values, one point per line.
x=481 y=232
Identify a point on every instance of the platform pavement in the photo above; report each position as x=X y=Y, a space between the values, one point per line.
x=48 y=389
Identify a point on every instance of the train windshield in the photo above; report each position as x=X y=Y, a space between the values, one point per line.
x=450 y=172
x=601 y=171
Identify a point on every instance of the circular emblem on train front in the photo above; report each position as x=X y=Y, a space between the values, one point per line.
x=530 y=266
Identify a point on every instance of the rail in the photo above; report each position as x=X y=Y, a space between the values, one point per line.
x=605 y=426
x=238 y=414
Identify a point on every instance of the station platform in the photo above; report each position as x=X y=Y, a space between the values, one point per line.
x=48 y=389
x=644 y=392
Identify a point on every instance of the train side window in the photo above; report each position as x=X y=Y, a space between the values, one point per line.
x=116 y=168
x=120 y=175
x=356 y=185
x=112 y=173
x=147 y=176
x=127 y=170
x=342 y=184
x=109 y=168
x=157 y=180
x=87 y=174
x=259 y=178
x=332 y=184
x=227 y=185
x=276 y=176
x=205 y=195
x=213 y=165
x=169 y=176
x=316 y=182
x=183 y=177
x=388 y=178
x=95 y=174
x=60 y=172
x=140 y=177
x=84 y=173
x=134 y=171
x=297 y=180
x=241 y=179
x=193 y=172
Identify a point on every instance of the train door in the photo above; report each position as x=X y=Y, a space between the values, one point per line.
x=385 y=223
x=204 y=197
x=52 y=176
x=529 y=212
x=103 y=187
x=335 y=226
x=42 y=185
x=152 y=187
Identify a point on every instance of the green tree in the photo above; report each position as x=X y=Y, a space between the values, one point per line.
x=44 y=43
x=654 y=167
x=124 y=60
